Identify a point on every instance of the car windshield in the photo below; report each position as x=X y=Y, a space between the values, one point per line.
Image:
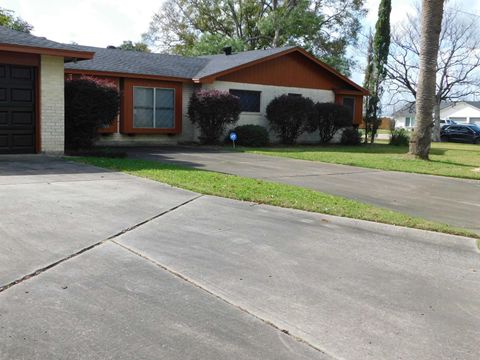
x=475 y=128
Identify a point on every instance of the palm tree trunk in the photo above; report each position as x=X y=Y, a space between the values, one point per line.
x=432 y=12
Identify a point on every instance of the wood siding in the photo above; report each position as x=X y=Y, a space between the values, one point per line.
x=292 y=70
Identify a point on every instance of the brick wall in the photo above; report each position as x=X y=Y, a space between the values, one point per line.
x=52 y=109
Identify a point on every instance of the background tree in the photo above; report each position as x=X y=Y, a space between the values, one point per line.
x=432 y=13
x=376 y=68
x=458 y=61
x=138 y=46
x=200 y=27
x=9 y=20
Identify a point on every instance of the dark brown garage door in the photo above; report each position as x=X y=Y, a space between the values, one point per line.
x=17 y=109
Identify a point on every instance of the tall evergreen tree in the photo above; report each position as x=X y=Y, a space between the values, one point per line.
x=381 y=46
x=367 y=82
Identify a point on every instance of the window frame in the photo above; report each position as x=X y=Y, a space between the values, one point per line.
x=249 y=91
x=126 y=119
x=353 y=107
x=154 y=107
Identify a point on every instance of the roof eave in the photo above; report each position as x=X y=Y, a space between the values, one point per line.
x=127 y=75
x=70 y=55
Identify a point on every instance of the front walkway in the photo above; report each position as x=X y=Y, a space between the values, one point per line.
x=452 y=201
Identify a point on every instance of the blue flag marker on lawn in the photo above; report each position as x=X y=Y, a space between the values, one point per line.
x=233 y=137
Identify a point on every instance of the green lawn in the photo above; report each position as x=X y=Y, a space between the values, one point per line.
x=264 y=192
x=447 y=159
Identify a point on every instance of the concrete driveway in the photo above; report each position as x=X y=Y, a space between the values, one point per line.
x=101 y=265
x=448 y=200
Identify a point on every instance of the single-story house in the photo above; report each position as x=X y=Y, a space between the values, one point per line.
x=155 y=89
x=462 y=112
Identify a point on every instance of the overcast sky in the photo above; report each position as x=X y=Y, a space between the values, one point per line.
x=109 y=22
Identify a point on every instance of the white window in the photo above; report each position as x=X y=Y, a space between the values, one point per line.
x=409 y=121
x=153 y=108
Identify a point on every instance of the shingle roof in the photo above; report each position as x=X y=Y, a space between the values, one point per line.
x=219 y=63
x=18 y=38
x=474 y=103
x=409 y=109
x=134 y=62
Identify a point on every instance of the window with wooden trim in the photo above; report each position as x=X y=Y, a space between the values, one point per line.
x=349 y=102
x=153 y=108
x=249 y=100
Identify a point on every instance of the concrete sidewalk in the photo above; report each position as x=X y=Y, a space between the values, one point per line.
x=102 y=265
x=452 y=201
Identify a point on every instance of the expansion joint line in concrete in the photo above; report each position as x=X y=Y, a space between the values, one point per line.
x=230 y=303
x=90 y=247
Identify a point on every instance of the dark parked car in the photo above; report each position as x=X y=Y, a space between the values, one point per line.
x=468 y=133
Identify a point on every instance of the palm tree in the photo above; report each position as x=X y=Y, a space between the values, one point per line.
x=432 y=13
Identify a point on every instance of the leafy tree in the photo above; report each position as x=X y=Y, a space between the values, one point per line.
x=432 y=13
x=324 y=27
x=138 y=46
x=289 y=115
x=327 y=119
x=376 y=69
x=9 y=20
x=212 y=111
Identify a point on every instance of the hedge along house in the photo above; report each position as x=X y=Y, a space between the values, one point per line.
x=31 y=92
x=156 y=88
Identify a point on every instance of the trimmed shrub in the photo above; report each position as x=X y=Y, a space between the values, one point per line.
x=90 y=104
x=288 y=116
x=351 y=136
x=251 y=135
x=328 y=119
x=212 y=111
x=399 y=137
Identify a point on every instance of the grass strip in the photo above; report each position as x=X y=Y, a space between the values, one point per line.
x=266 y=192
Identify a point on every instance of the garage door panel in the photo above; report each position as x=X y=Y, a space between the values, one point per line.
x=21 y=95
x=22 y=118
x=16 y=141
x=17 y=109
x=3 y=118
x=3 y=94
x=21 y=73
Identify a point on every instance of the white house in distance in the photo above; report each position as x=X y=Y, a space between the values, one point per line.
x=462 y=112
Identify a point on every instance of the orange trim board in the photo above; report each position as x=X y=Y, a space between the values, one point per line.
x=83 y=55
x=125 y=75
